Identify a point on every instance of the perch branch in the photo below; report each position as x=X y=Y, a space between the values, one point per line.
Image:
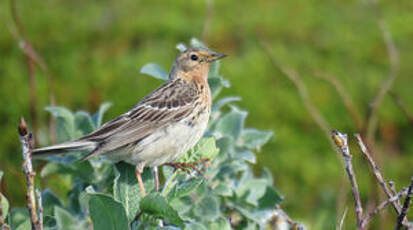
x=348 y=103
x=26 y=140
x=340 y=140
x=382 y=206
x=405 y=207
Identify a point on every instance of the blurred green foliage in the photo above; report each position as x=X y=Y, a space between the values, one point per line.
x=96 y=48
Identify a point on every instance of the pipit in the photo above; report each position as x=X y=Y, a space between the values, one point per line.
x=163 y=126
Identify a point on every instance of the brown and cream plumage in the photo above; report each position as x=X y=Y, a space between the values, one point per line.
x=162 y=126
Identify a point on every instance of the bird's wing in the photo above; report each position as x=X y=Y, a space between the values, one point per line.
x=169 y=103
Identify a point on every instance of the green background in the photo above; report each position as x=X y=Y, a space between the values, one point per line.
x=95 y=50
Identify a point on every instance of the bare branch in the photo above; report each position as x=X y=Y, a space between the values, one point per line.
x=26 y=140
x=406 y=204
x=348 y=102
x=377 y=173
x=382 y=206
x=386 y=85
x=340 y=140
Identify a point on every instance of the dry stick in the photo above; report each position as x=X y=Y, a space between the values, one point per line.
x=26 y=46
x=377 y=173
x=340 y=140
x=382 y=205
x=406 y=204
x=348 y=103
x=26 y=139
x=387 y=84
x=393 y=189
x=399 y=102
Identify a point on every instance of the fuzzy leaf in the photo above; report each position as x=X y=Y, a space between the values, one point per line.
x=224 y=101
x=64 y=220
x=126 y=189
x=221 y=223
x=81 y=170
x=154 y=70
x=270 y=198
x=246 y=155
x=19 y=219
x=196 y=226
x=106 y=213
x=157 y=205
x=50 y=201
x=187 y=187
x=98 y=116
x=196 y=43
x=84 y=123
x=232 y=123
x=216 y=84
x=4 y=204
x=208 y=208
x=65 y=122
x=254 y=139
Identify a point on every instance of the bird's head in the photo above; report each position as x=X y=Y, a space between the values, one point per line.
x=194 y=62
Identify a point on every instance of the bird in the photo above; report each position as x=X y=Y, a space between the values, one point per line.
x=161 y=127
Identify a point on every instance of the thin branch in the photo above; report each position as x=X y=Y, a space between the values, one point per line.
x=348 y=102
x=406 y=204
x=302 y=90
x=341 y=223
x=393 y=189
x=33 y=56
x=26 y=140
x=340 y=140
x=40 y=206
x=399 y=102
x=279 y=212
x=386 y=85
x=208 y=19
x=377 y=173
x=382 y=206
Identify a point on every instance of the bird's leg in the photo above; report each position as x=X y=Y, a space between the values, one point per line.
x=139 y=171
x=156 y=177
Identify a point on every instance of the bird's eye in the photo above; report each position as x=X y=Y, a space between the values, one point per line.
x=194 y=57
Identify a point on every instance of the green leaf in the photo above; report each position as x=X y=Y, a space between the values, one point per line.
x=65 y=122
x=84 y=123
x=208 y=208
x=106 y=213
x=187 y=187
x=19 y=219
x=196 y=43
x=224 y=101
x=126 y=189
x=271 y=198
x=157 y=205
x=154 y=70
x=181 y=47
x=50 y=201
x=196 y=226
x=82 y=170
x=98 y=116
x=254 y=139
x=64 y=220
x=4 y=204
x=253 y=188
x=223 y=189
x=221 y=224
x=216 y=84
x=246 y=155
x=1 y=174
x=232 y=123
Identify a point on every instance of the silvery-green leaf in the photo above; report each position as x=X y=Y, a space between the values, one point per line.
x=214 y=69
x=84 y=122
x=181 y=47
x=64 y=220
x=19 y=219
x=226 y=100
x=253 y=188
x=187 y=187
x=195 y=226
x=126 y=189
x=78 y=169
x=1 y=174
x=223 y=189
x=106 y=213
x=246 y=155
x=156 y=205
x=65 y=123
x=216 y=84
x=270 y=198
x=154 y=70
x=254 y=139
x=221 y=223
x=266 y=174
x=196 y=43
x=4 y=204
x=232 y=123
x=208 y=208
x=98 y=116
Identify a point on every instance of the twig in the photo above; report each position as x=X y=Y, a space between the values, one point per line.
x=340 y=140
x=279 y=212
x=386 y=84
x=33 y=57
x=393 y=189
x=302 y=90
x=40 y=206
x=26 y=140
x=348 y=103
x=399 y=102
x=383 y=205
x=208 y=19
x=406 y=204
x=341 y=223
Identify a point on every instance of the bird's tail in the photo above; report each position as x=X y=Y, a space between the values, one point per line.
x=77 y=145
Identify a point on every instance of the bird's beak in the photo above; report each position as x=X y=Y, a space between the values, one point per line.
x=215 y=56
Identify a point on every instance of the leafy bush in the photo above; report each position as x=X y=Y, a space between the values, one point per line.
x=226 y=196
